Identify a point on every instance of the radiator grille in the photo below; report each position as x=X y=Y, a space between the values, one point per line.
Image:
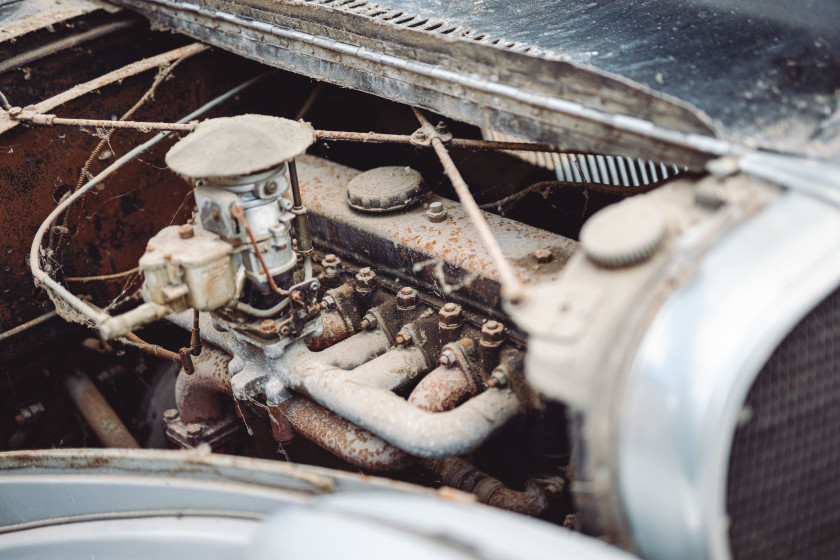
x=618 y=171
x=783 y=493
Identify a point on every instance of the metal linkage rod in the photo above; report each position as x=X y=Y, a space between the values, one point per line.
x=52 y=120
x=28 y=325
x=366 y=137
x=497 y=145
x=468 y=143
x=512 y=288
x=33 y=117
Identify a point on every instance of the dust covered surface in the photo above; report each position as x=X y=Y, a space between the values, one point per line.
x=234 y=146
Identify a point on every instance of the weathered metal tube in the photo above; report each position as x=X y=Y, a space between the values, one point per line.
x=534 y=500
x=324 y=377
x=342 y=438
x=393 y=370
x=203 y=394
x=416 y=431
x=98 y=413
x=336 y=329
x=443 y=389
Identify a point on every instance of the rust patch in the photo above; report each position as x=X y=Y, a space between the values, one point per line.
x=342 y=438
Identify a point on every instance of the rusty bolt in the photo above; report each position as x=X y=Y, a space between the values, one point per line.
x=284 y=330
x=450 y=315
x=267 y=324
x=194 y=430
x=328 y=302
x=15 y=112
x=366 y=280
x=403 y=338
x=407 y=298
x=447 y=358
x=543 y=256
x=186 y=231
x=29 y=414
x=441 y=127
x=436 y=212
x=492 y=333
x=498 y=378
x=170 y=415
x=331 y=265
x=368 y=322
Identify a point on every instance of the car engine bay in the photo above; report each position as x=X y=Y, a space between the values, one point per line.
x=238 y=260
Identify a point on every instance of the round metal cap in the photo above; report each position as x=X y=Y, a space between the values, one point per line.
x=385 y=189
x=237 y=146
x=623 y=234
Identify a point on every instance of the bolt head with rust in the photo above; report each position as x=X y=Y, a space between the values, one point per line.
x=492 y=333
x=330 y=264
x=403 y=338
x=170 y=415
x=498 y=378
x=194 y=430
x=436 y=212
x=450 y=315
x=368 y=322
x=328 y=302
x=186 y=231
x=366 y=280
x=407 y=298
x=267 y=324
x=447 y=358
x=543 y=256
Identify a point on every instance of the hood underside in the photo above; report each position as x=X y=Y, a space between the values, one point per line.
x=680 y=82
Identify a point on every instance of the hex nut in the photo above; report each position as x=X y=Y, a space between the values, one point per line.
x=368 y=322
x=543 y=256
x=436 y=212
x=330 y=262
x=450 y=315
x=447 y=358
x=170 y=415
x=186 y=231
x=407 y=298
x=403 y=338
x=492 y=333
x=366 y=280
x=194 y=430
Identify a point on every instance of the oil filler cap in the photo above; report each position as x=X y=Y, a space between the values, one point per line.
x=623 y=234
x=385 y=189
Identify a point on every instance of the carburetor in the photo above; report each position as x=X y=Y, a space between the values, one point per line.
x=238 y=260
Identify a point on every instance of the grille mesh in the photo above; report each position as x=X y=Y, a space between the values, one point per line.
x=783 y=493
